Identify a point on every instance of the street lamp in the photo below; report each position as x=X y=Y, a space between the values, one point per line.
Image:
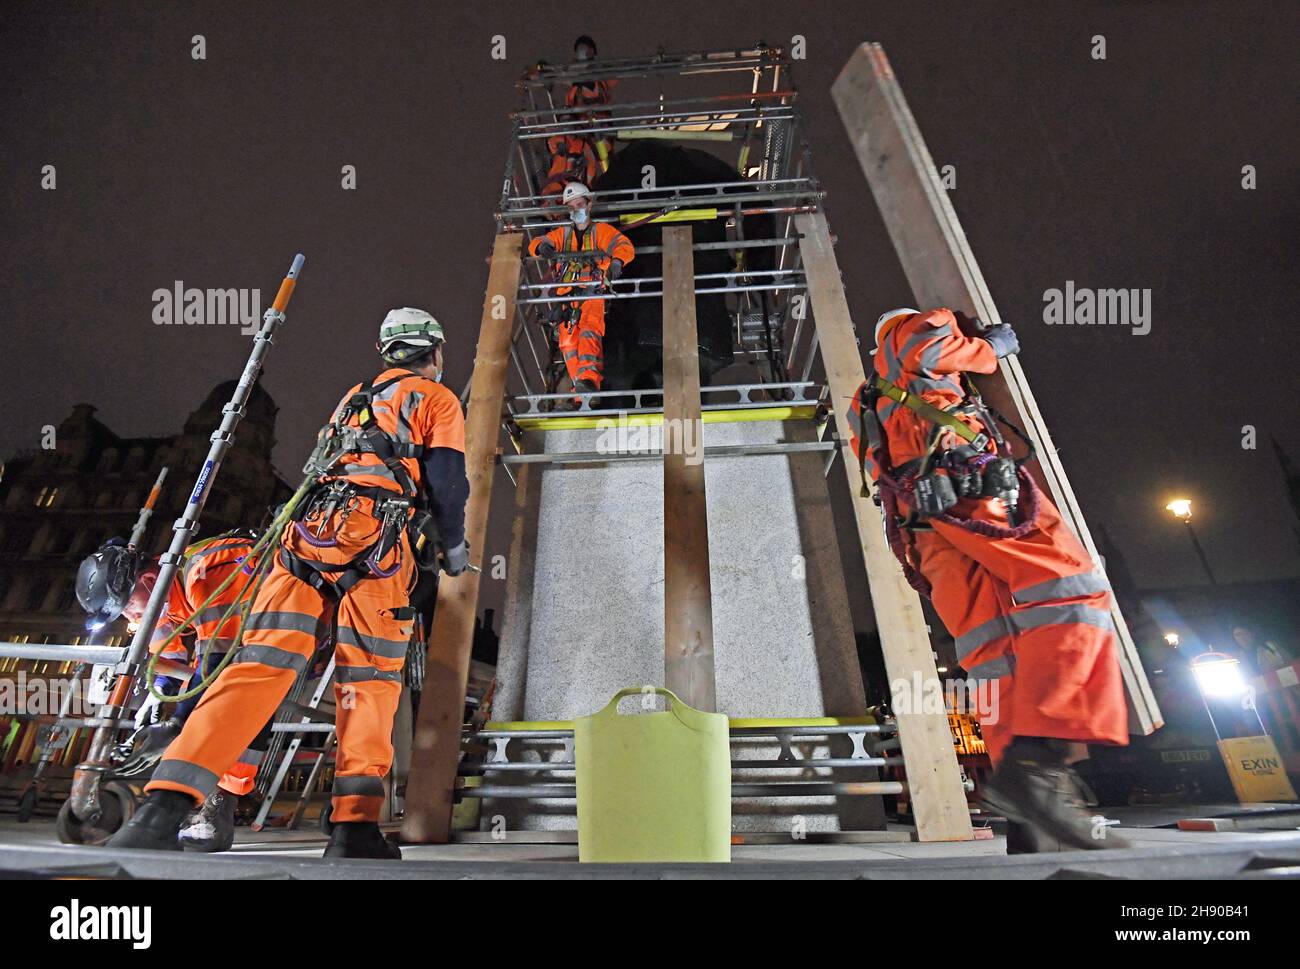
x=1172 y=639
x=1181 y=508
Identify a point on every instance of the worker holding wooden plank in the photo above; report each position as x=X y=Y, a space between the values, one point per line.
x=1016 y=589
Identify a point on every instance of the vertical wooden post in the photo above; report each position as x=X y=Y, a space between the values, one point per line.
x=933 y=777
x=436 y=751
x=688 y=604
x=942 y=271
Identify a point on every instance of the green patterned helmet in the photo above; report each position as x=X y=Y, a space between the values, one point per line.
x=407 y=333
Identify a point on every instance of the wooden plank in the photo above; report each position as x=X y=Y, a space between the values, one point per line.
x=942 y=271
x=933 y=777
x=436 y=751
x=688 y=602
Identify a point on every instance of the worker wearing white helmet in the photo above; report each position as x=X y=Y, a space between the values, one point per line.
x=580 y=329
x=387 y=498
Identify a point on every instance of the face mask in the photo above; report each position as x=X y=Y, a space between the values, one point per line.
x=580 y=217
x=584 y=54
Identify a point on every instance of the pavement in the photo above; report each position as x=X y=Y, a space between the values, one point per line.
x=1266 y=846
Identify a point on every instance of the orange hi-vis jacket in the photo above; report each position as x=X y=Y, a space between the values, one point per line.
x=414 y=410
x=601 y=238
x=924 y=354
x=207 y=564
x=1030 y=614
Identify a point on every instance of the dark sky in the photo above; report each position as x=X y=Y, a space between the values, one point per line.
x=1117 y=173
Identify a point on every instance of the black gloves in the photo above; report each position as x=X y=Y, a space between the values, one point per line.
x=615 y=268
x=546 y=248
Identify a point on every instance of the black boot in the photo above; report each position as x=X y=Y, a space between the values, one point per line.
x=1025 y=839
x=155 y=823
x=212 y=827
x=361 y=839
x=1036 y=790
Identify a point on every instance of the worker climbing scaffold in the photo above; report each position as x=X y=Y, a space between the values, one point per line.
x=589 y=256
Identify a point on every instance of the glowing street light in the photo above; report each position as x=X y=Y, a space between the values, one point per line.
x=1181 y=508
x=1172 y=639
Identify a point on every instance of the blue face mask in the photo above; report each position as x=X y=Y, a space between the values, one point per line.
x=580 y=217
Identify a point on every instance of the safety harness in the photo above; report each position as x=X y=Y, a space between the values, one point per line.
x=915 y=481
x=338 y=439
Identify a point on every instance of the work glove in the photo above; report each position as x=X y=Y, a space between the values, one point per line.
x=1003 y=340
x=455 y=560
x=615 y=269
x=546 y=248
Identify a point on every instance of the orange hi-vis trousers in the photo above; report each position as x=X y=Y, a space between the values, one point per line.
x=582 y=342
x=288 y=620
x=1033 y=615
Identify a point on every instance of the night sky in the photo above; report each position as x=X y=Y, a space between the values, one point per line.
x=1125 y=172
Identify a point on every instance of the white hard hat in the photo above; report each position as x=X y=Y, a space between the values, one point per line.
x=888 y=315
x=415 y=328
x=575 y=190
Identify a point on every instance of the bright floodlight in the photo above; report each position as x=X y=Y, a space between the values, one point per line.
x=1180 y=507
x=1172 y=639
x=1218 y=675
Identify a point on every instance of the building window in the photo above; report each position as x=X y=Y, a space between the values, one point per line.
x=45 y=498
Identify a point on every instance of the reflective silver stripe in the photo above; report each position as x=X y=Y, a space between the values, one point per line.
x=1068 y=613
x=215 y=612
x=588 y=358
x=297 y=621
x=183 y=772
x=388 y=648
x=364 y=674
x=225 y=547
x=412 y=401
x=217 y=647
x=917 y=339
x=366 y=785
x=591 y=333
x=985 y=632
x=993 y=669
x=570 y=354
x=918 y=384
x=932 y=354
x=253 y=757
x=376 y=470
x=272 y=656
x=858 y=425
x=1083 y=584
x=244 y=544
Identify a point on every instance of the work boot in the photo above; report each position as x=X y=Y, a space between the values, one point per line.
x=147 y=746
x=155 y=823
x=361 y=839
x=1034 y=788
x=582 y=387
x=211 y=827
